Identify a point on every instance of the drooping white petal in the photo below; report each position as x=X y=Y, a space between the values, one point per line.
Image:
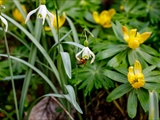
x=86 y=53
x=50 y=16
x=5 y=22
x=42 y=12
x=30 y=13
x=92 y=54
x=79 y=54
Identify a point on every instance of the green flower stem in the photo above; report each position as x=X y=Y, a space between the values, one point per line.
x=32 y=58
x=11 y=73
x=42 y=2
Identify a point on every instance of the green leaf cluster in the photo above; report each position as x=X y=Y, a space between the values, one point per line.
x=152 y=82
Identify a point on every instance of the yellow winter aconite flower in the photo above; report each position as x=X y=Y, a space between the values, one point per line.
x=104 y=18
x=17 y=14
x=61 y=21
x=135 y=75
x=134 y=38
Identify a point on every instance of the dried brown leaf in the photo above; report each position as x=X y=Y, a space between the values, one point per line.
x=46 y=110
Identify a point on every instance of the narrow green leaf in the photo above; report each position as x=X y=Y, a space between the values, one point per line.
x=119 y=91
x=148 y=70
x=73 y=43
x=35 y=69
x=132 y=56
x=116 y=76
x=53 y=31
x=153 y=79
x=151 y=85
x=111 y=51
x=15 y=77
x=67 y=63
x=31 y=60
x=149 y=58
x=18 y=38
x=61 y=39
x=149 y=50
x=116 y=60
x=75 y=35
x=117 y=28
x=56 y=44
x=132 y=104
x=140 y=59
x=153 y=105
x=122 y=69
x=143 y=97
x=72 y=98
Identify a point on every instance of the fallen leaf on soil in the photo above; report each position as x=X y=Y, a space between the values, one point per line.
x=46 y=110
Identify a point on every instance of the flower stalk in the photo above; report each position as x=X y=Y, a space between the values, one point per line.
x=42 y=2
x=11 y=73
x=4 y=21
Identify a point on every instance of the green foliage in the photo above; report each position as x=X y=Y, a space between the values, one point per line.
x=152 y=9
x=90 y=77
x=4 y=72
x=141 y=94
x=47 y=58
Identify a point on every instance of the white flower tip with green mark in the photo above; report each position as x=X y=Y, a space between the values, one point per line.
x=4 y=21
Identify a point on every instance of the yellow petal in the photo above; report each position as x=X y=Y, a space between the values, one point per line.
x=125 y=33
x=104 y=15
x=47 y=28
x=112 y=12
x=137 y=67
x=130 y=70
x=105 y=19
x=96 y=17
x=144 y=36
x=130 y=74
x=62 y=20
x=17 y=14
x=124 y=30
x=132 y=33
